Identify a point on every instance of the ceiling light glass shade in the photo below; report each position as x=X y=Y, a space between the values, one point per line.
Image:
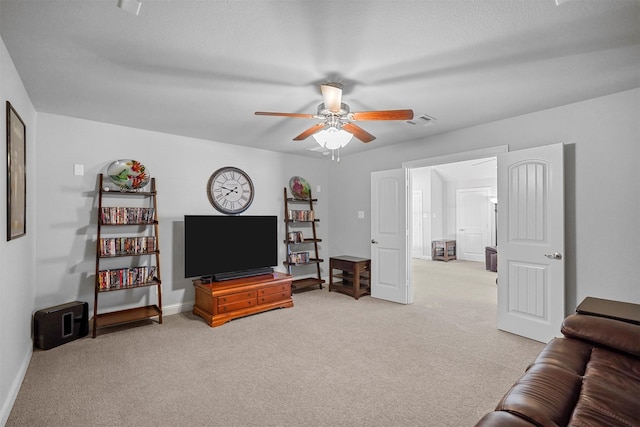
x=332 y=138
x=131 y=6
x=332 y=95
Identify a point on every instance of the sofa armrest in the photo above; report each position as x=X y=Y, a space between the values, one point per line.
x=614 y=334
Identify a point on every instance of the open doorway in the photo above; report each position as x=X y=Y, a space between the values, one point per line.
x=454 y=210
x=530 y=184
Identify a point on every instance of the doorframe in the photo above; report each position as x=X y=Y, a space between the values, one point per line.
x=439 y=160
x=417 y=195
x=456 y=157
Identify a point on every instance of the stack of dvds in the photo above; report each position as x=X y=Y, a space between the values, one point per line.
x=125 y=277
x=295 y=237
x=123 y=216
x=298 y=215
x=127 y=245
x=299 y=257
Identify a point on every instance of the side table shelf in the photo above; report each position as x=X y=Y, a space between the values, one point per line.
x=354 y=275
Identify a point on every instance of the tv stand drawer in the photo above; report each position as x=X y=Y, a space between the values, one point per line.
x=274 y=297
x=234 y=306
x=241 y=296
x=274 y=289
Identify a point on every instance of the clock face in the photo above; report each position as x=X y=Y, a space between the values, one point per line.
x=230 y=190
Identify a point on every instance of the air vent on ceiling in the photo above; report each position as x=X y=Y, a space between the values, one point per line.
x=423 y=120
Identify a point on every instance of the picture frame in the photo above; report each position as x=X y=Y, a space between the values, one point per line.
x=16 y=175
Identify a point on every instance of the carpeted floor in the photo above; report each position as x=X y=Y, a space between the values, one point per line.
x=328 y=361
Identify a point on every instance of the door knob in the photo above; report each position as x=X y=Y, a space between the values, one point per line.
x=554 y=255
x=374 y=241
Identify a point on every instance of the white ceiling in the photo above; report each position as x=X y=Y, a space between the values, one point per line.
x=202 y=68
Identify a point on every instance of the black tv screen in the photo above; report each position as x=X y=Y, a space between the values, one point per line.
x=227 y=247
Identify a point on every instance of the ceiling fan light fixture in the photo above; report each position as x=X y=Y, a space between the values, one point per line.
x=324 y=111
x=131 y=6
x=332 y=94
x=332 y=138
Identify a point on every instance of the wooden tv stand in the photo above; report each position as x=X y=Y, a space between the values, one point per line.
x=219 y=302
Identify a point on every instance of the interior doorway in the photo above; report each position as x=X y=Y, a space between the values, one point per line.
x=457 y=202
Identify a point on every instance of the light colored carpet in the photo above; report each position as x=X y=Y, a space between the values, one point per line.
x=328 y=361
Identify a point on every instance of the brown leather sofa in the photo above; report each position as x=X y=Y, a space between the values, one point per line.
x=589 y=377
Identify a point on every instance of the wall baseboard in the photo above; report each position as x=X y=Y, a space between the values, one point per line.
x=168 y=310
x=7 y=405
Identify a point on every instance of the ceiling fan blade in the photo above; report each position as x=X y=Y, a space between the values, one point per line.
x=301 y=116
x=383 y=115
x=358 y=132
x=307 y=133
x=332 y=95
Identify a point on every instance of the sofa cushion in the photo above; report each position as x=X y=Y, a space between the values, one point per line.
x=545 y=395
x=600 y=331
x=610 y=390
x=566 y=353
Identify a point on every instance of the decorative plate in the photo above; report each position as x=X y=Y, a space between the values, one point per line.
x=300 y=188
x=128 y=174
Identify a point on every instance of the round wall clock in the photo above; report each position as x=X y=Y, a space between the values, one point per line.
x=230 y=190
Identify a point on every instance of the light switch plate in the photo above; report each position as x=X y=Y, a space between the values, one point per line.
x=78 y=169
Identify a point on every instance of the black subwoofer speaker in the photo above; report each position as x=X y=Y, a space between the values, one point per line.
x=58 y=325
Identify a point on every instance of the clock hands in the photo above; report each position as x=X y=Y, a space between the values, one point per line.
x=230 y=190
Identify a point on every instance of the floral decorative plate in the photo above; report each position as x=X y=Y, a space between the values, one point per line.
x=128 y=174
x=300 y=188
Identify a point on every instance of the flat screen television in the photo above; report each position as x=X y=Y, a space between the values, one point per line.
x=229 y=247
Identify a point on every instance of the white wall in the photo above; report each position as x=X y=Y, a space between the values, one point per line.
x=602 y=187
x=17 y=257
x=182 y=166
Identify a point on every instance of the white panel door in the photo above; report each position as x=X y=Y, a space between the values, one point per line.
x=531 y=242
x=389 y=244
x=473 y=222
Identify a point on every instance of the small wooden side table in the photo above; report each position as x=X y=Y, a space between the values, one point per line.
x=444 y=250
x=355 y=275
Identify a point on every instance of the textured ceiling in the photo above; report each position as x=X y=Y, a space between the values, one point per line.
x=202 y=68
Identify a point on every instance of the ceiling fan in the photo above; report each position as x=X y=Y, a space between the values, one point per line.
x=337 y=119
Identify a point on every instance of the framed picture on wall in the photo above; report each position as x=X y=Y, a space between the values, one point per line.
x=16 y=175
